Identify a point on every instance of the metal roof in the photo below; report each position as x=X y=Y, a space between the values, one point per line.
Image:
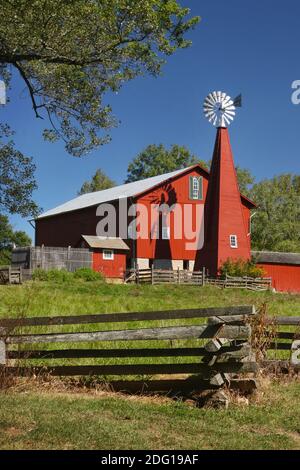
x=120 y=192
x=276 y=257
x=117 y=192
x=109 y=243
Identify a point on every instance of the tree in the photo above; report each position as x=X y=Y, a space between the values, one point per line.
x=98 y=182
x=17 y=180
x=276 y=225
x=156 y=160
x=70 y=53
x=245 y=180
x=9 y=238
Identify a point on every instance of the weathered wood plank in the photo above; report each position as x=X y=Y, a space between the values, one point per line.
x=127 y=317
x=179 y=332
x=137 y=369
x=234 y=352
x=2 y=353
x=284 y=321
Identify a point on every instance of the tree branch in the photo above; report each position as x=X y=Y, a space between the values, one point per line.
x=30 y=88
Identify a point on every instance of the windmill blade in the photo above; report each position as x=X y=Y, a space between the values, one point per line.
x=238 y=101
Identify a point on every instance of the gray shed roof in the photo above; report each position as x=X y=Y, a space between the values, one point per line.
x=109 y=243
x=276 y=257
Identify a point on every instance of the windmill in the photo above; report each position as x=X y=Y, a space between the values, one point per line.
x=220 y=109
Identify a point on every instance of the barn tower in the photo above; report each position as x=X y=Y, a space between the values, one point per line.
x=226 y=227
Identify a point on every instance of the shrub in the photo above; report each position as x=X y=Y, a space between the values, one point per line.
x=39 y=275
x=240 y=268
x=57 y=275
x=87 y=274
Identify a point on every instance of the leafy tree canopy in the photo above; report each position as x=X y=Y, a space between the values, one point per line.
x=17 y=180
x=156 y=160
x=70 y=53
x=98 y=182
x=276 y=225
x=9 y=238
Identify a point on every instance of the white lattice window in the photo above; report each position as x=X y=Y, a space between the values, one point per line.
x=108 y=254
x=233 y=241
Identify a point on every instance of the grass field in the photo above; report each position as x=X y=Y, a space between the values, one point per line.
x=38 y=420
x=82 y=421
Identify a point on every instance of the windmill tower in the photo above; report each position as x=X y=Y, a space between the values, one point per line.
x=226 y=231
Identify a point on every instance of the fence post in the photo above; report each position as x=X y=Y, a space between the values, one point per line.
x=68 y=258
x=2 y=353
x=43 y=256
x=152 y=275
x=178 y=275
x=137 y=277
x=9 y=274
x=203 y=276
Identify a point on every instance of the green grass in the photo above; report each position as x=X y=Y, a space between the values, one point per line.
x=34 y=420
x=60 y=421
x=79 y=297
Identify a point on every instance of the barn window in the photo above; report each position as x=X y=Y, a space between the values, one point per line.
x=233 y=241
x=196 y=187
x=165 y=233
x=108 y=254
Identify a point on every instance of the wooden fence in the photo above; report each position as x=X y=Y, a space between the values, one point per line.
x=160 y=276
x=10 y=275
x=223 y=343
x=47 y=257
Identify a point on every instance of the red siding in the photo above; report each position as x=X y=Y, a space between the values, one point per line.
x=110 y=268
x=174 y=192
x=285 y=277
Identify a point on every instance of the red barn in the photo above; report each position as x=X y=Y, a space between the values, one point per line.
x=188 y=219
x=186 y=189
x=283 y=268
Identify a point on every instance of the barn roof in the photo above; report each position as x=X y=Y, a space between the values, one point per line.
x=110 y=243
x=120 y=192
x=276 y=257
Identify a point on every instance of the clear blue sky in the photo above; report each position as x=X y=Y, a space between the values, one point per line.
x=239 y=47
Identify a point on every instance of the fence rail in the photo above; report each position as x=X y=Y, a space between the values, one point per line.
x=160 y=276
x=225 y=344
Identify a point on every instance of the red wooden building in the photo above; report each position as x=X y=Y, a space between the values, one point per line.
x=212 y=198
x=186 y=188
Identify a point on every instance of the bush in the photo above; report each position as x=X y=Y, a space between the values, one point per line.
x=62 y=275
x=240 y=268
x=58 y=275
x=87 y=274
x=39 y=275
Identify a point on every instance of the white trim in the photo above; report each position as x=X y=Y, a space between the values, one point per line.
x=233 y=241
x=108 y=255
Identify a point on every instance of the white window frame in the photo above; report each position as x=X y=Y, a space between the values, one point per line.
x=196 y=187
x=165 y=233
x=108 y=255
x=233 y=241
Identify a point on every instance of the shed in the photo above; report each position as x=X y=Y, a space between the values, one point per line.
x=283 y=268
x=109 y=254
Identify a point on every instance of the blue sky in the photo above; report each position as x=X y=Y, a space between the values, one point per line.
x=239 y=47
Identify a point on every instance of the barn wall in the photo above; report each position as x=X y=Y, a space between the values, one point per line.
x=175 y=192
x=285 y=278
x=110 y=268
x=66 y=229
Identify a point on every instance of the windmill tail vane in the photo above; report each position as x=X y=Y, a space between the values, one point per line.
x=237 y=102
